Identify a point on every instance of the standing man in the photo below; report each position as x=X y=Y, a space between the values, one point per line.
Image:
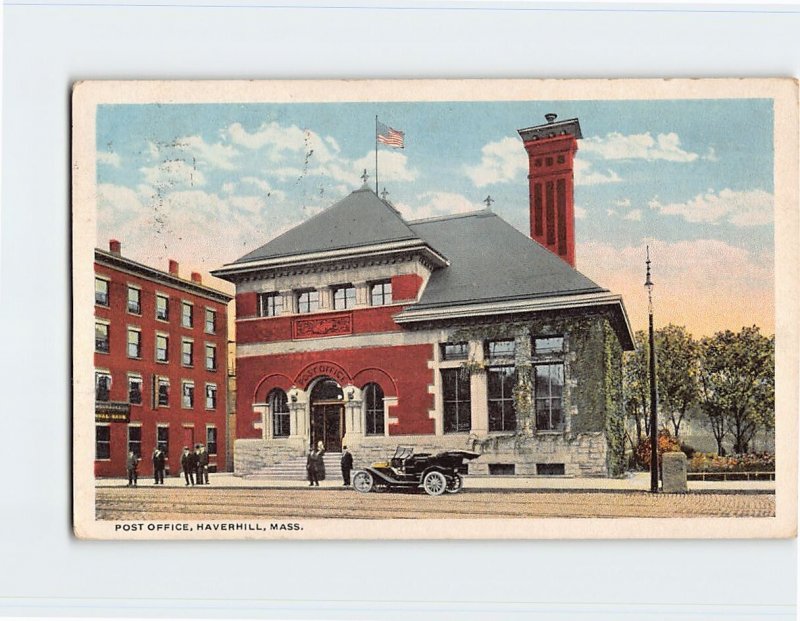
x=159 y=464
x=133 y=469
x=188 y=465
x=202 y=465
x=347 y=465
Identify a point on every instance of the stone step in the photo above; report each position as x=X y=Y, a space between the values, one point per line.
x=295 y=468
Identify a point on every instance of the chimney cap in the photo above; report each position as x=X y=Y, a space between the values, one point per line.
x=552 y=129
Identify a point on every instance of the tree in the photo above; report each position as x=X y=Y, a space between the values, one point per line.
x=677 y=369
x=737 y=376
x=637 y=386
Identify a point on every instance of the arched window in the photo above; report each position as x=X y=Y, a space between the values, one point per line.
x=279 y=406
x=373 y=400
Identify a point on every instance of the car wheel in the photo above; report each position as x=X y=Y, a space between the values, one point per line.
x=363 y=482
x=434 y=483
x=456 y=484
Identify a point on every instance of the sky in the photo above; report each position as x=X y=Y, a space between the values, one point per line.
x=207 y=183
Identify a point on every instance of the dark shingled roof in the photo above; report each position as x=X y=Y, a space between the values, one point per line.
x=360 y=219
x=490 y=260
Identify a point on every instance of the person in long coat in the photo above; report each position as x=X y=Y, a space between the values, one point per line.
x=201 y=455
x=347 y=465
x=315 y=466
x=188 y=464
x=159 y=464
x=132 y=464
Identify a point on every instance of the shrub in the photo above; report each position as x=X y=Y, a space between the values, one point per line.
x=750 y=462
x=666 y=444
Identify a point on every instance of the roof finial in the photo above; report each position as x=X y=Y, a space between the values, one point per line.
x=488 y=200
x=384 y=194
x=364 y=177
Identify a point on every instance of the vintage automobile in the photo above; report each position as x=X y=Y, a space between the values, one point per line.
x=436 y=474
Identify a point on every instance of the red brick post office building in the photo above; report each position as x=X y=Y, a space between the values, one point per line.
x=360 y=328
x=160 y=364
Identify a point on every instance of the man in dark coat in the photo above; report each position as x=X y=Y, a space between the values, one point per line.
x=159 y=464
x=315 y=466
x=188 y=464
x=201 y=454
x=347 y=465
x=132 y=464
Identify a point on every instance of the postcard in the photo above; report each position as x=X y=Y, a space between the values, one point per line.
x=435 y=309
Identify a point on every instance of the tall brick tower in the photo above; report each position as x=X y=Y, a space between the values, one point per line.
x=551 y=148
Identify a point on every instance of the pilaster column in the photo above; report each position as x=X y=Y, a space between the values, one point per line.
x=325 y=298
x=288 y=302
x=362 y=293
x=479 y=388
x=299 y=427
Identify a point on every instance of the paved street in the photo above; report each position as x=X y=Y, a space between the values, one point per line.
x=210 y=503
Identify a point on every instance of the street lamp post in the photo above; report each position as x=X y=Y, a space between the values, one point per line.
x=648 y=283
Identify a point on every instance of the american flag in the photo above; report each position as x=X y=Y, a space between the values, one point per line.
x=389 y=136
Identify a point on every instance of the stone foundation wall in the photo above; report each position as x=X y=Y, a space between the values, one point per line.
x=583 y=454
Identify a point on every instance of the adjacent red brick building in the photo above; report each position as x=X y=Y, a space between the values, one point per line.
x=160 y=364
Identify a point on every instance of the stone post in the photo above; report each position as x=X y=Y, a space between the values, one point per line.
x=362 y=294
x=299 y=426
x=673 y=473
x=353 y=416
x=524 y=389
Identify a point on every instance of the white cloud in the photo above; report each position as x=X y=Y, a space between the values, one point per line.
x=585 y=174
x=392 y=166
x=228 y=187
x=108 y=158
x=501 y=161
x=215 y=155
x=625 y=202
x=432 y=204
x=580 y=213
x=616 y=146
x=634 y=214
x=707 y=285
x=173 y=174
x=748 y=208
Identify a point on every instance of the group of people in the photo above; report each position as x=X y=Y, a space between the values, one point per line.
x=315 y=465
x=193 y=463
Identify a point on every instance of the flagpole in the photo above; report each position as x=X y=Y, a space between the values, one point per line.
x=376 y=154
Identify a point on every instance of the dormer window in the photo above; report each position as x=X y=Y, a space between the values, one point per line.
x=308 y=301
x=344 y=297
x=380 y=293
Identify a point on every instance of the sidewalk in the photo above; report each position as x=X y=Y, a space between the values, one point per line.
x=637 y=482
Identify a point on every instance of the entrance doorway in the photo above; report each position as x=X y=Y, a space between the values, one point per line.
x=327 y=415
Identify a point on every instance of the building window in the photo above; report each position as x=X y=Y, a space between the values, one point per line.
x=308 y=301
x=102 y=386
x=270 y=304
x=102 y=442
x=373 y=400
x=549 y=394
x=211 y=357
x=187 y=392
x=380 y=293
x=279 y=407
x=211 y=396
x=456 y=401
x=135 y=440
x=163 y=391
x=101 y=338
x=162 y=307
x=187 y=315
x=211 y=321
x=101 y=292
x=454 y=351
x=162 y=438
x=134 y=389
x=134 y=343
x=134 y=301
x=344 y=297
x=501 y=349
x=211 y=440
x=548 y=345
x=501 y=381
x=162 y=348
x=187 y=353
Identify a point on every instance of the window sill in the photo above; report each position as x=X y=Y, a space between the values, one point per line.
x=162 y=361
x=134 y=313
x=188 y=366
x=162 y=320
x=100 y=351
x=134 y=357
